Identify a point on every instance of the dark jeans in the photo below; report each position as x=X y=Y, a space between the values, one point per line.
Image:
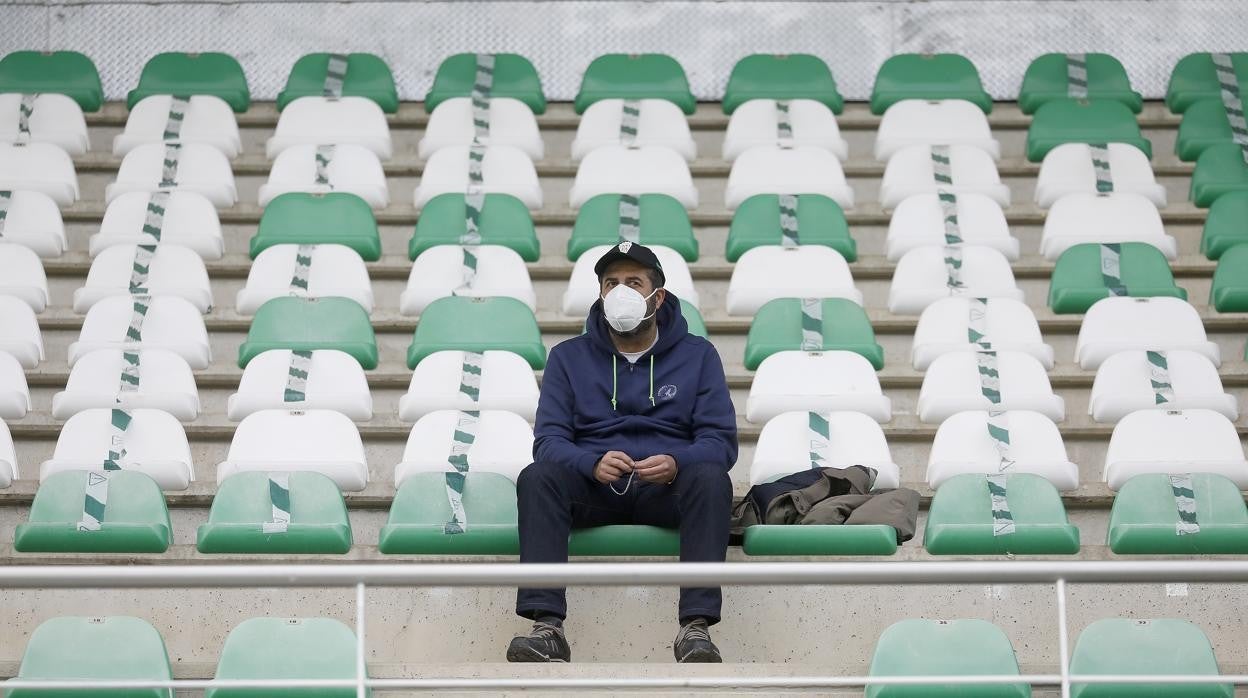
x=553 y=500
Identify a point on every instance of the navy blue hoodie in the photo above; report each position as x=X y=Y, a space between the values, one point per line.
x=692 y=418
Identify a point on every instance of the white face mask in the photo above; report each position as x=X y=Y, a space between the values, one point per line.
x=625 y=308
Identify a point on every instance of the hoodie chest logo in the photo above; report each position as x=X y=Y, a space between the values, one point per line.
x=666 y=392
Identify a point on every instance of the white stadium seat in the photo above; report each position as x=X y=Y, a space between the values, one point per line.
x=335 y=381
x=19 y=332
x=8 y=457
x=39 y=167
x=934 y=122
x=174 y=271
x=438 y=272
x=512 y=123
x=616 y=169
x=320 y=441
x=963 y=445
x=209 y=120
x=1067 y=169
x=504 y=170
x=785 y=446
x=756 y=122
x=909 y=172
x=660 y=123
x=345 y=120
x=353 y=169
x=1174 y=442
x=1124 y=384
x=14 y=393
x=952 y=384
x=155 y=444
x=33 y=220
x=583 y=289
x=170 y=323
x=507 y=382
x=819 y=381
x=165 y=383
x=21 y=275
x=336 y=270
x=201 y=169
x=190 y=220
x=502 y=443
x=1126 y=323
x=803 y=169
x=768 y=272
x=921 y=277
x=1078 y=218
x=56 y=119
x=1010 y=324
x=919 y=221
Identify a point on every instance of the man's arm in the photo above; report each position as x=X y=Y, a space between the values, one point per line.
x=553 y=433
x=714 y=419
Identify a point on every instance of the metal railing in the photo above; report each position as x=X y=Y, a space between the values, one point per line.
x=360 y=577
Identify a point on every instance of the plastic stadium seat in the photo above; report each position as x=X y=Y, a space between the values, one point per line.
x=216 y=74
x=1137 y=647
x=135 y=518
x=953 y=648
x=440 y=272
x=934 y=122
x=514 y=77
x=502 y=443
x=1229 y=293
x=659 y=123
x=421 y=511
x=756 y=123
x=318 y=219
x=909 y=172
x=1174 y=442
x=1220 y=170
x=190 y=220
x=367 y=75
x=1225 y=225
x=351 y=169
x=39 y=167
x=61 y=72
x=511 y=123
x=661 y=221
x=112 y=648
x=1125 y=383
x=617 y=169
x=1010 y=326
x=505 y=170
x=820 y=221
x=332 y=380
x=8 y=457
x=816 y=381
x=927 y=76
x=769 y=272
x=635 y=76
x=963 y=444
x=1161 y=324
x=173 y=271
x=170 y=323
x=1205 y=124
x=1078 y=279
x=55 y=119
x=1076 y=219
x=584 y=290
x=960 y=520
x=333 y=270
x=19 y=332
x=14 y=393
x=1082 y=121
x=1067 y=169
x=1194 y=78
x=165 y=383
x=208 y=120
x=477 y=324
x=792 y=76
x=202 y=169
x=504 y=220
x=22 y=277
x=784 y=446
x=1047 y=80
x=804 y=169
x=921 y=277
x=505 y=381
x=243 y=511
x=317 y=120
x=697 y=325
x=919 y=221
x=843 y=326
x=287 y=441
x=1145 y=519
x=952 y=384
x=309 y=324
x=287 y=648
x=154 y=444
x=33 y=220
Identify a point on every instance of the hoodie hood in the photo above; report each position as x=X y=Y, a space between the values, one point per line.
x=668 y=318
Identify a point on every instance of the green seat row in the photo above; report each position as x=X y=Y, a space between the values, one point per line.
x=1077 y=281
x=820 y=221
x=778 y=327
x=927 y=76
x=1083 y=121
x=1046 y=80
x=367 y=76
x=175 y=73
x=634 y=76
x=1220 y=170
x=1194 y=79
x=1204 y=124
x=61 y=72
x=514 y=77
x=309 y=324
x=784 y=76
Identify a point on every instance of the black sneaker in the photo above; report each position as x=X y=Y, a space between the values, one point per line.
x=546 y=643
x=693 y=644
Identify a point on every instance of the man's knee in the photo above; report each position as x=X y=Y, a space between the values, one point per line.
x=704 y=477
x=539 y=476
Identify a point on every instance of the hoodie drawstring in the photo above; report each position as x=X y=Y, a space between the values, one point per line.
x=615 y=381
x=652 y=380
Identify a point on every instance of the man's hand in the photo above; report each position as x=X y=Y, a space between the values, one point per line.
x=659 y=469
x=613 y=466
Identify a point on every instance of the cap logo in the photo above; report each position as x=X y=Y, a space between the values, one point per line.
x=626 y=246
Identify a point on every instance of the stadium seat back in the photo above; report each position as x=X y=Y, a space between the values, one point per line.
x=792 y=76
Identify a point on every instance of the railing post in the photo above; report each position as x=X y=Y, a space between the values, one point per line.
x=361 y=673
x=1063 y=638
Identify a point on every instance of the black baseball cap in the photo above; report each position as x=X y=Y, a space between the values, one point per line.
x=632 y=251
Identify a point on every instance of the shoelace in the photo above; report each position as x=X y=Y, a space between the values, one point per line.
x=545 y=631
x=695 y=631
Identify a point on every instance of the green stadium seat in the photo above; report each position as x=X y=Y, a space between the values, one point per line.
x=60 y=72
x=1145 y=516
x=1219 y=170
x=1081 y=121
x=1077 y=281
x=626 y=540
x=928 y=76
x=778 y=327
x=1229 y=293
x=693 y=317
x=1126 y=647
x=337 y=218
x=1046 y=81
x=1226 y=225
x=287 y=648
x=959 y=521
x=635 y=76
x=244 y=503
x=785 y=76
x=418 y=517
x=367 y=76
x=1204 y=124
x=114 y=648
x=216 y=74
x=820 y=221
x=1194 y=79
x=477 y=324
x=664 y=221
x=505 y=220
x=514 y=77
x=765 y=539
x=309 y=324
x=956 y=648
x=136 y=519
